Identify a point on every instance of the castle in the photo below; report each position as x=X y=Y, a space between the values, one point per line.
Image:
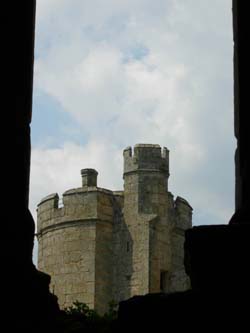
x=104 y=245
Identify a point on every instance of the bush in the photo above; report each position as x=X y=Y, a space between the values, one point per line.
x=94 y=321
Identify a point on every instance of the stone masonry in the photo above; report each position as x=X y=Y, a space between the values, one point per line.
x=103 y=245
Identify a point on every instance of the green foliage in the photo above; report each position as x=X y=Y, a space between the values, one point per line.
x=112 y=311
x=79 y=308
x=95 y=322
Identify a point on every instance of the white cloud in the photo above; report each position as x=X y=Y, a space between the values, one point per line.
x=58 y=169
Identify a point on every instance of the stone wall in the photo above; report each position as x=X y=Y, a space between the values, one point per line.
x=160 y=255
x=182 y=221
x=104 y=251
x=103 y=266
x=67 y=250
x=122 y=252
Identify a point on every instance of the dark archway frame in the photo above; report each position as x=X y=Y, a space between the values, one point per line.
x=21 y=280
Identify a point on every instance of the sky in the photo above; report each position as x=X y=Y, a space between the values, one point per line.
x=113 y=73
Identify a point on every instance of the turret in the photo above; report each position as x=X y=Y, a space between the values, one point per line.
x=146 y=172
x=146 y=158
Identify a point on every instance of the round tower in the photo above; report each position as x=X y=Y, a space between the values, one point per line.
x=67 y=241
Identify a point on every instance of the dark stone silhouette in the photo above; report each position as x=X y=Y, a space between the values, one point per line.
x=241 y=123
x=216 y=257
x=26 y=303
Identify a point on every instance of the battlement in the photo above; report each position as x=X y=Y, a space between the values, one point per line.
x=146 y=157
x=49 y=202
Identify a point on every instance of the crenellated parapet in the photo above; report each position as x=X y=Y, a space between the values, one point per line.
x=49 y=202
x=146 y=157
x=45 y=211
x=86 y=203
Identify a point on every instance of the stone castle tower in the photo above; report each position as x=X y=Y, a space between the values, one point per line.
x=104 y=245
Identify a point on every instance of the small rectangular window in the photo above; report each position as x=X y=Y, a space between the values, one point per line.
x=164 y=281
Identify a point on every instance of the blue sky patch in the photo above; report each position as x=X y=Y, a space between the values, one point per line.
x=135 y=52
x=51 y=126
